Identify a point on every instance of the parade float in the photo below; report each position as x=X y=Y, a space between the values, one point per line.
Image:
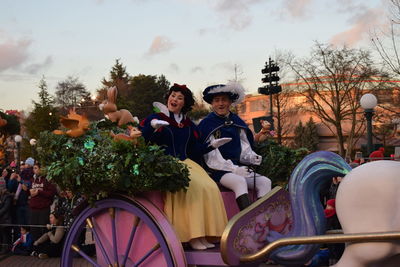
x=124 y=179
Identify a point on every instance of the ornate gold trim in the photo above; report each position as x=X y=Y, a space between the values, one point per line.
x=237 y=217
x=333 y=238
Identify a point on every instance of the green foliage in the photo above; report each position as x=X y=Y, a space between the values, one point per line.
x=311 y=136
x=135 y=93
x=278 y=161
x=147 y=89
x=96 y=165
x=12 y=127
x=44 y=116
x=199 y=111
x=306 y=136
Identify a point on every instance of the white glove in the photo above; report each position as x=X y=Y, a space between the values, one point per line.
x=256 y=159
x=216 y=143
x=242 y=171
x=158 y=123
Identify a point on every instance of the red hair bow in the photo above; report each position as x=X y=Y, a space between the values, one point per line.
x=183 y=86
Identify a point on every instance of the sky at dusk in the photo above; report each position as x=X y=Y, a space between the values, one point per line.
x=192 y=42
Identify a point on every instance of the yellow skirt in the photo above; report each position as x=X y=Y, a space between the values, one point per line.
x=200 y=211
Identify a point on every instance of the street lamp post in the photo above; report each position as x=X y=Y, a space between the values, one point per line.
x=18 y=140
x=32 y=142
x=369 y=102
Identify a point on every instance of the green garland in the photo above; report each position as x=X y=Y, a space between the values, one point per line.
x=95 y=165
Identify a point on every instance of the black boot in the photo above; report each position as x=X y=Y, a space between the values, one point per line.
x=243 y=201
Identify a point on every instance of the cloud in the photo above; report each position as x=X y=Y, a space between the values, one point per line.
x=204 y=31
x=237 y=13
x=34 y=68
x=160 y=44
x=361 y=23
x=13 y=53
x=226 y=66
x=174 y=67
x=197 y=69
x=297 y=8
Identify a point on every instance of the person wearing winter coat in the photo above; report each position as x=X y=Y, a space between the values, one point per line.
x=5 y=216
x=50 y=244
x=42 y=195
x=23 y=245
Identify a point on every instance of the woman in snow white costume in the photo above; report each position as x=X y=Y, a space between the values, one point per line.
x=198 y=213
x=227 y=164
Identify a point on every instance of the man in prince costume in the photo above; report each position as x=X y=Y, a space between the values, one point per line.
x=228 y=163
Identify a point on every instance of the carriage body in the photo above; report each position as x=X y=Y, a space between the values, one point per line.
x=133 y=231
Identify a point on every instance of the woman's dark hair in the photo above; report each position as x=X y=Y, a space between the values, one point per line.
x=59 y=217
x=27 y=228
x=9 y=172
x=189 y=99
x=37 y=164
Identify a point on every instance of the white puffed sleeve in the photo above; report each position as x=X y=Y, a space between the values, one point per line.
x=215 y=161
x=247 y=154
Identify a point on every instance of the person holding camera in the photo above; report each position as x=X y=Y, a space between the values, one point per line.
x=228 y=164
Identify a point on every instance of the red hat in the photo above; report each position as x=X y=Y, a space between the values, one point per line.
x=331 y=202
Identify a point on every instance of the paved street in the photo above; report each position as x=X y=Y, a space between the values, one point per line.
x=23 y=261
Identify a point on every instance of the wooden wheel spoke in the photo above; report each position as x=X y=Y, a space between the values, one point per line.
x=130 y=241
x=84 y=255
x=114 y=235
x=151 y=251
x=98 y=241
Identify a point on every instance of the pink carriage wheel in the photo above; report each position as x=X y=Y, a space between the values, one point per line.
x=127 y=232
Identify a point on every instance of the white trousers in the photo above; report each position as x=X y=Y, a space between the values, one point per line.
x=240 y=184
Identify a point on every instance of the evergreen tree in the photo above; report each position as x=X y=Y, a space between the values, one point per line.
x=121 y=79
x=147 y=89
x=306 y=136
x=44 y=116
x=311 y=138
x=298 y=135
x=12 y=127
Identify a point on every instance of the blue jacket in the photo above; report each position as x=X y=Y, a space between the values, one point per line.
x=179 y=140
x=220 y=127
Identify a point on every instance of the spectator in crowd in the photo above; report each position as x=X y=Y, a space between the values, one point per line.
x=69 y=207
x=24 y=244
x=50 y=244
x=19 y=185
x=42 y=196
x=377 y=154
x=329 y=190
x=332 y=223
x=6 y=174
x=334 y=187
x=27 y=169
x=5 y=216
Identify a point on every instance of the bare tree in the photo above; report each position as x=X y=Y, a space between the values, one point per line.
x=386 y=45
x=237 y=74
x=332 y=80
x=70 y=92
x=283 y=102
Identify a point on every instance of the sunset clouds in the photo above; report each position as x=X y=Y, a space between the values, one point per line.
x=359 y=27
x=159 y=45
x=13 y=53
